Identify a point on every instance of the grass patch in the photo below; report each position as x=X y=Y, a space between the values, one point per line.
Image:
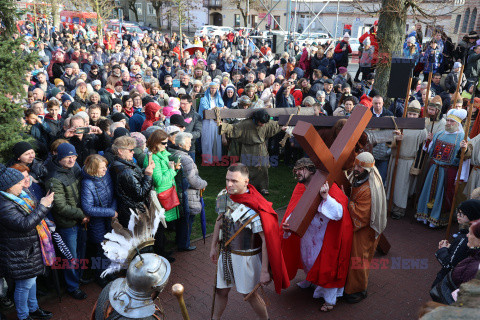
x=281 y=187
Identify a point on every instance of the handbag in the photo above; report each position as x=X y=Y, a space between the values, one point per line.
x=169 y=198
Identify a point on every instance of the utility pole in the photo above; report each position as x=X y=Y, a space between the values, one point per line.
x=248 y=13
x=336 y=22
x=289 y=18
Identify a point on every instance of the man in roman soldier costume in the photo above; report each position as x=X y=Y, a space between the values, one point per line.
x=248 y=233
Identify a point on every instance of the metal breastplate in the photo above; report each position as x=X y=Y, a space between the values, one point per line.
x=246 y=239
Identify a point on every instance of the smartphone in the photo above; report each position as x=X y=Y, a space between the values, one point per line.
x=82 y=130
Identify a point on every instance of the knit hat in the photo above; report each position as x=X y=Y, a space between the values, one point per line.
x=342 y=70
x=457 y=115
x=54 y=92
x=118 y=116
x=96 y=83
x=65 y=150
x=178 y=120
x=66 y=97
x=470 y=208
x=457 y=65
x=58 y=82
x=9 y=177
x=116 y=101
x=120 y=132
x=414 y=106
x=118 y=84
x=172 y=129
x=140 y=138
x=20 y=148
x=148 y=132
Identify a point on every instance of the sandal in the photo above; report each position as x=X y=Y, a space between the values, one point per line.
x=326 y=307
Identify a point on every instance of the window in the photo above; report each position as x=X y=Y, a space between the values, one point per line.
x=139 y=7
x=457 y=23
x=276 y=22
x=465 y=20
x=473 y=19
x=236 y=18
x=150 y=9
x=254 y=20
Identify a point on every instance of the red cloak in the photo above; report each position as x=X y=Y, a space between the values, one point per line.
x=331 y=266
x=255 y=201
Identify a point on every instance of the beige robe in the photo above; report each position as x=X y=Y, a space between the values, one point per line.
x=474 y=178
x=404 y=182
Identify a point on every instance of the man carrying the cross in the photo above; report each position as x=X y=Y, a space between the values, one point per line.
x=247 y=218
x=324 y=250
x=438 y=191
x=368 y=209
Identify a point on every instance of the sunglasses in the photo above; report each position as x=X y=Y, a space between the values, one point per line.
x=138 y=77
x=164 y=143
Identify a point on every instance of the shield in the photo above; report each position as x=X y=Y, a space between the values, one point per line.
x=191 y=50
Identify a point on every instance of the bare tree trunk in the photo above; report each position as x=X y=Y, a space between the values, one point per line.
x=55 y=13
x=131 y=6
x=390 y=35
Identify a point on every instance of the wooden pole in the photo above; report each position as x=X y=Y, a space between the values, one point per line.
x=466 y=130
x=427 y=96
x=455 y=95
x=177 y=290
x=399 y=144
x=212 y=311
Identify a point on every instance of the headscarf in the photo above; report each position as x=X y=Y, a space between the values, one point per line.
x=378 y=218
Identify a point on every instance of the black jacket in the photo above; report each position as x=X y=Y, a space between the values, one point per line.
x=194 y=126
x=131 y=188
x=20 y=252
x=90 y=144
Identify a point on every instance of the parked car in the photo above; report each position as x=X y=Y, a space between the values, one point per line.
x=114 y=25
x=220 y=31
x=204 y=31
x=319 y=38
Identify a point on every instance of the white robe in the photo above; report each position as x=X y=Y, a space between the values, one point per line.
x=312 y=242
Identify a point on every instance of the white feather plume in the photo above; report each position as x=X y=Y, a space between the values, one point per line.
x=120 y=243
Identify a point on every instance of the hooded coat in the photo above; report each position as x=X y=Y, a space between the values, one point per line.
x=150 y=115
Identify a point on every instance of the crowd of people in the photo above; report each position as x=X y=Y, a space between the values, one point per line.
x=108 y=120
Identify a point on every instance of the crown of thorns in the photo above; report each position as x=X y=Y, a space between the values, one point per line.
x=303 y=163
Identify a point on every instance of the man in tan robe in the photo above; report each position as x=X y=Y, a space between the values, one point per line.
x=404 y=181
x=368 y=209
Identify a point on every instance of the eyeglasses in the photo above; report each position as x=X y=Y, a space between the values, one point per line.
x=138 y=77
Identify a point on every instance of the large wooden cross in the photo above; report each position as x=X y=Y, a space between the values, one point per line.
x=329 y=162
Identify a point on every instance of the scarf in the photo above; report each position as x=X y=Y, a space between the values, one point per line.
x=44 y=235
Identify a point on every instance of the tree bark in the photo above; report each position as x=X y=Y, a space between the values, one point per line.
x=390 y=36
x=131 y=6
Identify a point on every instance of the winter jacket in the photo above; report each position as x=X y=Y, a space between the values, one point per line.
x=151 y=109
x=195 y=183
x=381 y=151
x=20 y=252
x=66 y=184
x=451 y=256
x=131 y=188
x=99 y=204
x=432 y=61
x=136 y=121
x=55 y=126
x=331 y=98
x=194 y=125
x=472 y=68
x=451 y=82
x=69 y=81
x=163 y=178
x=284 y=102
x=341 y=57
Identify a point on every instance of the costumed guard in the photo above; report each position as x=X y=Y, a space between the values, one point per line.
x=254 y=250
x=133 y=297
x=324 y=251
x=368 y=209
x=404 y=181
x=438 y=191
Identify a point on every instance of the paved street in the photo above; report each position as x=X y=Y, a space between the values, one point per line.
x=397 y=288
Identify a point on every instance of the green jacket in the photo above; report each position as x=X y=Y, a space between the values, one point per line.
x=66 y=209
x=163 y=178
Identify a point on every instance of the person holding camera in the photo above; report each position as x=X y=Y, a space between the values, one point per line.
x=86 y=139
x=65 y=181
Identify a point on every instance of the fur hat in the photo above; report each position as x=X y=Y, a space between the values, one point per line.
x=414 y=106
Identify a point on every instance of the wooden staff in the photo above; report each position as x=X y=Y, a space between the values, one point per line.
x=466 y=129
x=457 y=90
x=399 y=144
x=215 y=284
x=177 y=290
x=427 y=96
x=248 y=296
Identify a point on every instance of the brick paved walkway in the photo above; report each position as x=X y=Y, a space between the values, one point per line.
x=395 y=292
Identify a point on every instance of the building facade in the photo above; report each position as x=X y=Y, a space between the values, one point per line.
x=467 y=19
